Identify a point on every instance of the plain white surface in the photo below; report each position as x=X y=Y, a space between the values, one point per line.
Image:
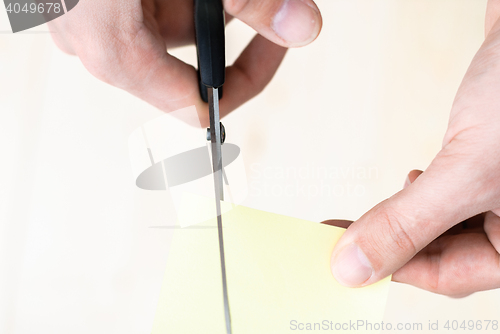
x=373 y=94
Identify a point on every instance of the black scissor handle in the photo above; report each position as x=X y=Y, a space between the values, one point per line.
x=210 y=43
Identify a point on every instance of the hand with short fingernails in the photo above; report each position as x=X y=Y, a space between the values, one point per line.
x=125 y=43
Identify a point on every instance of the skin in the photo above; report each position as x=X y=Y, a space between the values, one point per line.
x=467 y=251
x=126 y=43
x=440 y=233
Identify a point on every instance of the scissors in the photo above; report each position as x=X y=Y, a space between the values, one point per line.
x=210 y=43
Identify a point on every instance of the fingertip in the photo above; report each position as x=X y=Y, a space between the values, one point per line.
x=338 y=223
x=411 y=177
x=414 y=174
x=297 y=23
x=288 y=23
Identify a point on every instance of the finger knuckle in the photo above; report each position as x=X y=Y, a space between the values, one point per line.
x=394 y=228
x=107 y=61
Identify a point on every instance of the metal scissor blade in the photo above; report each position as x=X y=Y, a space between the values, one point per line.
x=215 y=135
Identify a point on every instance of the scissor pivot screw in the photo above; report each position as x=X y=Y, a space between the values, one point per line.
x=222 y=134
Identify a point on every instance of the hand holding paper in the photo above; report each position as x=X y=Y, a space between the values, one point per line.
x=278 y=271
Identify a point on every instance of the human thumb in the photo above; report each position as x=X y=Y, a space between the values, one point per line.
x=391 y=233
x=289 y=23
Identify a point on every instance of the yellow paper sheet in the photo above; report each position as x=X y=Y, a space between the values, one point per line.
x=279 y=278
